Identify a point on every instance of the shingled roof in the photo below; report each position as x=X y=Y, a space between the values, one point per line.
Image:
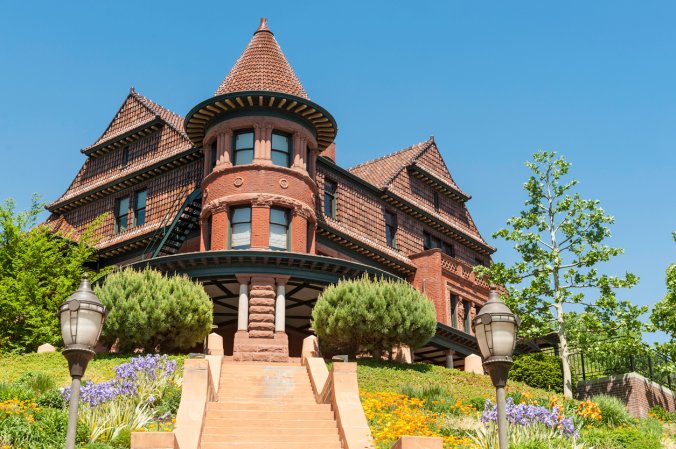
x=262 y=67
x=136 y=111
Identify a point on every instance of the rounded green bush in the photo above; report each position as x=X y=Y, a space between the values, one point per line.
x=152 y=311
x=374 y=316
x=538 y=370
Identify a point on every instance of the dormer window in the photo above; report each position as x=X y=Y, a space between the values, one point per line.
x=125 y=155
x=121 y=214
x=243 y=147
x=330 y=188
x=281 y=149
x=391 y=229
x=140 y=207
x=430 y=242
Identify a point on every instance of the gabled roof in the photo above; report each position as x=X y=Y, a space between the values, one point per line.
x=381 y=172
x=136 y=111
x=138 y=116
x=262 y=67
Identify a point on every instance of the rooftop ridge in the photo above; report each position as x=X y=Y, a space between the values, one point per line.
x=394 y=153
x=172 y=118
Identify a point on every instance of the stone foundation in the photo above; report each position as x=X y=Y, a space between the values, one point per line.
x=248 y=348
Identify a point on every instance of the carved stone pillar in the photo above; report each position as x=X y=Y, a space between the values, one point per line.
x=262 y=307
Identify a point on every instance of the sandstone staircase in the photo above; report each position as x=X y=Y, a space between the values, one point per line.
x=270 y=406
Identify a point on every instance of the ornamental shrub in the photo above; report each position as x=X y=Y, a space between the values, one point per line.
x=613 y=411
x=152 y=311
x=374 y=316
x=538 y=370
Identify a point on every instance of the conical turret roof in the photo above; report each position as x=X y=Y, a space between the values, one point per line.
x=262 y=66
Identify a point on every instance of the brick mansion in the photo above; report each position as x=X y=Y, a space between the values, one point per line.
x=244 y=195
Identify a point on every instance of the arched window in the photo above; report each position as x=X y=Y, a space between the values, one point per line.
x=281 y=149
x=243 y=147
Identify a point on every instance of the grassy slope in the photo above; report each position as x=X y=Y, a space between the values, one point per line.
x=55 y=365
x=387 y=376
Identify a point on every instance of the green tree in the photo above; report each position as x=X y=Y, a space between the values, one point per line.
x=152 y=311
x=663 y=317
x=559 y=238
x=361 y=315
x=38 y=271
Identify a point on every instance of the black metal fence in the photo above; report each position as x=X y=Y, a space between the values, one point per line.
x=648 y=363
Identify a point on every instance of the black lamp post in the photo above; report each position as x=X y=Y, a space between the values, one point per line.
x=82 y=317
x=495 y=327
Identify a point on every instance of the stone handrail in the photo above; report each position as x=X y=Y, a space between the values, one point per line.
x=200 y=386
x=339 y=388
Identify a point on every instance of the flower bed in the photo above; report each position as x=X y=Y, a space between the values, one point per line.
x=143 y=395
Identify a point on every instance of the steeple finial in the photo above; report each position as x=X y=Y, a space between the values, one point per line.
x=263 y=26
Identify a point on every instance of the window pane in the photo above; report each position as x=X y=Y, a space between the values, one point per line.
x=123 y=206
x=244 y=140
x=213 y=154
x=139 y=217
x=278 y=236
x=243 y=157
x=140 y=199
x=278 y=216
x=328 y=205
x=241 y=236
x=279 y=158
x=280 y=143
x=241 y=215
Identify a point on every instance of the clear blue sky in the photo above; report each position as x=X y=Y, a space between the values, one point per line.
x=492 y=81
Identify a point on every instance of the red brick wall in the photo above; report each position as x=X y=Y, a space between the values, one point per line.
x=639 y=393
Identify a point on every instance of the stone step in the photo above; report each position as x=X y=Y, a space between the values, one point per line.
x=286 y=431
x=269 y=402
x=270 y=438
x=280 y=415
x=272 y=406
x=255 y=424
x=271 y=445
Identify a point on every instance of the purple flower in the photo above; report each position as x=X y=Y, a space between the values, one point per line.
x=141 y=373
x=530 y=415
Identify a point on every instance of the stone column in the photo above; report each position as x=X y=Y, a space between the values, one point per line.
x=280 y=306
x=243 y=306
x=449 y=358
x=224 y=148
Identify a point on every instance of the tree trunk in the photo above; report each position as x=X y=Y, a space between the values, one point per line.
x=564 y=353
